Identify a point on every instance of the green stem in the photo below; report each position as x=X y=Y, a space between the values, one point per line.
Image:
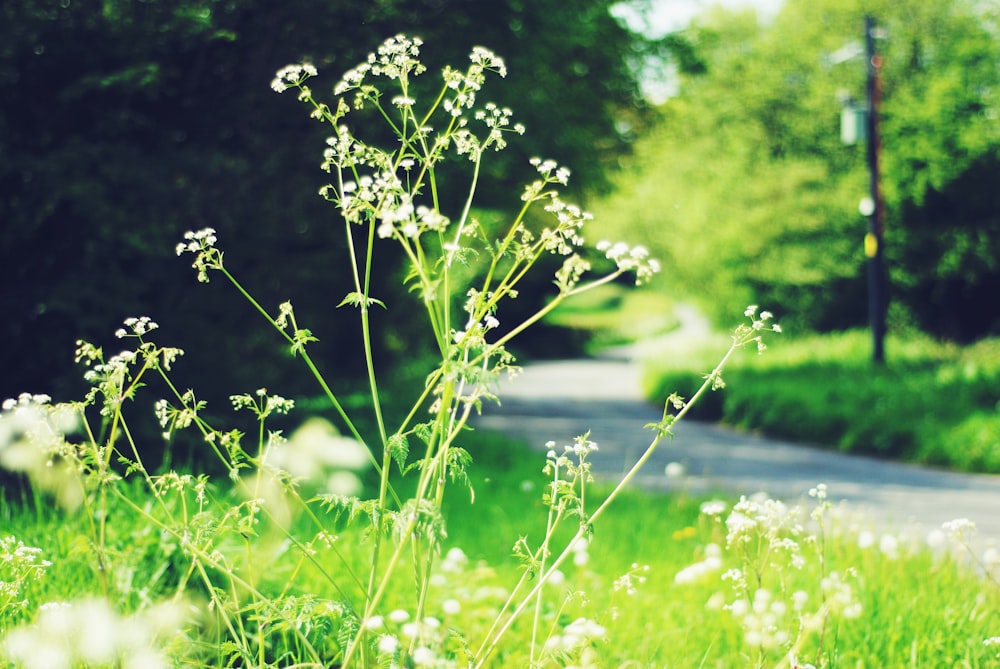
x=431 y=459
x=314 y=371
x=555 y=302
x=482 y=656
x=202 y=557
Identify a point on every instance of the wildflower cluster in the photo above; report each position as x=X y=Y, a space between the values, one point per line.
x=286 y=323
x=402 y=640
x=759 y=324
x=574 y=645
x=396 y=59
x=318 y=453
x=20 y=566
x=710 y=564
x=25 y=401
x=497 y=120
x=570 y=472
x=292 y=75
x=290 y=495
x=631 y=259
x=116 y=378
x=465 y=85
x=960 y=530
x=171 y=418
x=769 y=543
x=262 y=404
x=33 y=442
x=137 y=327
x=202 y=244
x=764 y=619
x=764 y=529
x=958 y=538
x=630 y=581
x=89 y=633
x=109 y=374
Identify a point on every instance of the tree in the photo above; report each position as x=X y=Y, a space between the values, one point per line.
x=125 y=123
x=755 y=199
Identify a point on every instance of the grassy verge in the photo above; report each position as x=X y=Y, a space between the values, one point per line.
x=599 y=313
x=932 y=403
x=633 y=584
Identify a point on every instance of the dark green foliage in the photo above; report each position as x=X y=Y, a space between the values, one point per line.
x=947 y=260
x=126 y=122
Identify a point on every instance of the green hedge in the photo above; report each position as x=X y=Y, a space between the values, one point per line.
x=932 y=403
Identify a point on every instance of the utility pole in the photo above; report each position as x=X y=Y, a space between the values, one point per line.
x=874 y=246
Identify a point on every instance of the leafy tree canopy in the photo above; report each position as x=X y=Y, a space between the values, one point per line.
x=124 y=123
x=747 y=192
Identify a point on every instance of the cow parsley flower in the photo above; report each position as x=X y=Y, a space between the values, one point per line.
x=397 y=58
x=631 y=259
x=138 y=326
x=292 y=76
x=202 y=243
x=90 y=633
x=466 y=84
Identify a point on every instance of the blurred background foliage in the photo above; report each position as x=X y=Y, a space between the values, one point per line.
x=124 y=123
x=746 y=191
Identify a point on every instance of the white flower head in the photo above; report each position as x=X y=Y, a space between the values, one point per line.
x=960 y=529
x=486 y=59
x=674 y=470
x=388 y=644
x=292 y=76
x=397 y=58
x=202 y=243
x=138 y=327
x=714 y=507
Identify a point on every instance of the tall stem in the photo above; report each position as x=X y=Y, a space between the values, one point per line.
x=482 y=657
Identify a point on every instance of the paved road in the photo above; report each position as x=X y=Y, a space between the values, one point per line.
x=563 y=399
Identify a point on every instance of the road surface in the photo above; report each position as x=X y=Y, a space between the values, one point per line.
x=562 y=399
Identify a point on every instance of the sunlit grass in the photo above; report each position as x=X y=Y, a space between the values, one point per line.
x=932 y=402
x=615 y=314
x=920 y=605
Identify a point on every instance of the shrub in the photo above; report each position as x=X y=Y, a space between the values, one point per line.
x=932 y=403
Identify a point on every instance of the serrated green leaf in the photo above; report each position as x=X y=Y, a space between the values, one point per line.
x=424 y=432
x=399 y=449
x=356 y=299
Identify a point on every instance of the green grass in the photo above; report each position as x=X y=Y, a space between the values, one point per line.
x=919 y=609
x=615 y=314
x=931 y=403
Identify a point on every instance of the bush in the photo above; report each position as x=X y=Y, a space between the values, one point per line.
x=933 y=403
